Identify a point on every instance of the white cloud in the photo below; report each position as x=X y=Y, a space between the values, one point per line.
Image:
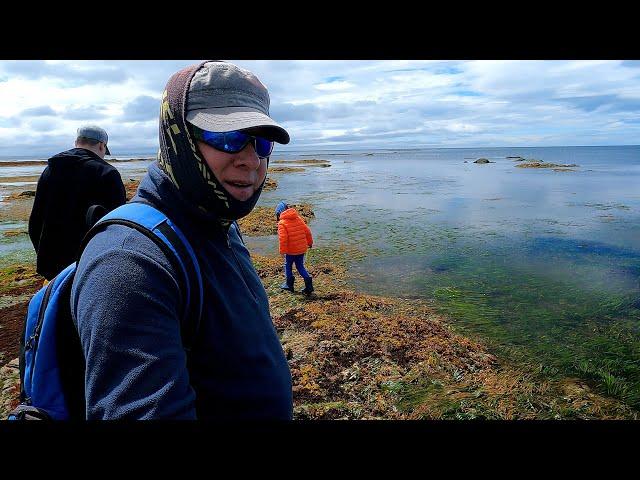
x=462 y=127
x=354 y=103
x=332 y=133
x=334 y=86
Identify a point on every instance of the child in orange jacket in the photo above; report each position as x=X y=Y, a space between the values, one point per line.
x=295 y=238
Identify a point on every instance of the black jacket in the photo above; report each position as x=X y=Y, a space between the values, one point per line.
x=72 y=182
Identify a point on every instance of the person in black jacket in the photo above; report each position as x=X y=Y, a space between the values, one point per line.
x=75 y=188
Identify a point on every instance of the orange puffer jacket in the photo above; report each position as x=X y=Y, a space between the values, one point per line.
x=294 y=235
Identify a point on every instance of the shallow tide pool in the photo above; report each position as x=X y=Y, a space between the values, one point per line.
x=544 y=265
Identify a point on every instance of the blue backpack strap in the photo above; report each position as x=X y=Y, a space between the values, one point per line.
x=154 y=224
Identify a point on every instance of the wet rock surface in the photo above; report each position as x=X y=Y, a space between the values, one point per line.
x=285 y=169
x=546 y=165
x=262 y=220
x=9 y=387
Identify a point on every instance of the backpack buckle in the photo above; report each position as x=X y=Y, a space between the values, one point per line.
x=28 y=412
x=31 y=342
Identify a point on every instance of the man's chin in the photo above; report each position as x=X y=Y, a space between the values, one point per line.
x=241 y=194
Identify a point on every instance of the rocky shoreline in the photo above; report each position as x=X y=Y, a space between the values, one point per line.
x=532 y=163
x=357 y=356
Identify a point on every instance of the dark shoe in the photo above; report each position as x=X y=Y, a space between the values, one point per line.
x=308 y=286
x=288 y=285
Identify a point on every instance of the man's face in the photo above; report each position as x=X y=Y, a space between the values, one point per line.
x=241 y=174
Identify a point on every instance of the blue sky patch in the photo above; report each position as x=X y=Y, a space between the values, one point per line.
x=467 y=93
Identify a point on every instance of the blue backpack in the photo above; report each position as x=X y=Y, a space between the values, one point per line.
x=52 y=363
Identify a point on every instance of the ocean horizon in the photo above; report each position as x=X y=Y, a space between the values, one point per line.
x=329 y=151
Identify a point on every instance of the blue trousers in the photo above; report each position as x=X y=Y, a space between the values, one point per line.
x=289 y=260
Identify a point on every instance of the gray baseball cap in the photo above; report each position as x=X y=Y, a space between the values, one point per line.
x=94 y=132
x=223 y=97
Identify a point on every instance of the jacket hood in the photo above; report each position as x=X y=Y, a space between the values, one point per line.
x=74 y=155
x=289 y=213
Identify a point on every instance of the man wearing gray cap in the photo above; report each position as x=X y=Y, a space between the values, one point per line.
x=128 y=298
x=75 y=183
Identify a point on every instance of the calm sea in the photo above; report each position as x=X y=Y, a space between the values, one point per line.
x=544 y=265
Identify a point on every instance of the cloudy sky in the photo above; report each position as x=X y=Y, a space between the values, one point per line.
x=341 y=104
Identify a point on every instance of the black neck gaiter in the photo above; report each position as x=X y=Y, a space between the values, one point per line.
x=182 y=162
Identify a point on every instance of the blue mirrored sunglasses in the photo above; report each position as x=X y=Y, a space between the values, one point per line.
x=235 y=141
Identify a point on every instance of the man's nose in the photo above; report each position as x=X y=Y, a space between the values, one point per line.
x=247 y=157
